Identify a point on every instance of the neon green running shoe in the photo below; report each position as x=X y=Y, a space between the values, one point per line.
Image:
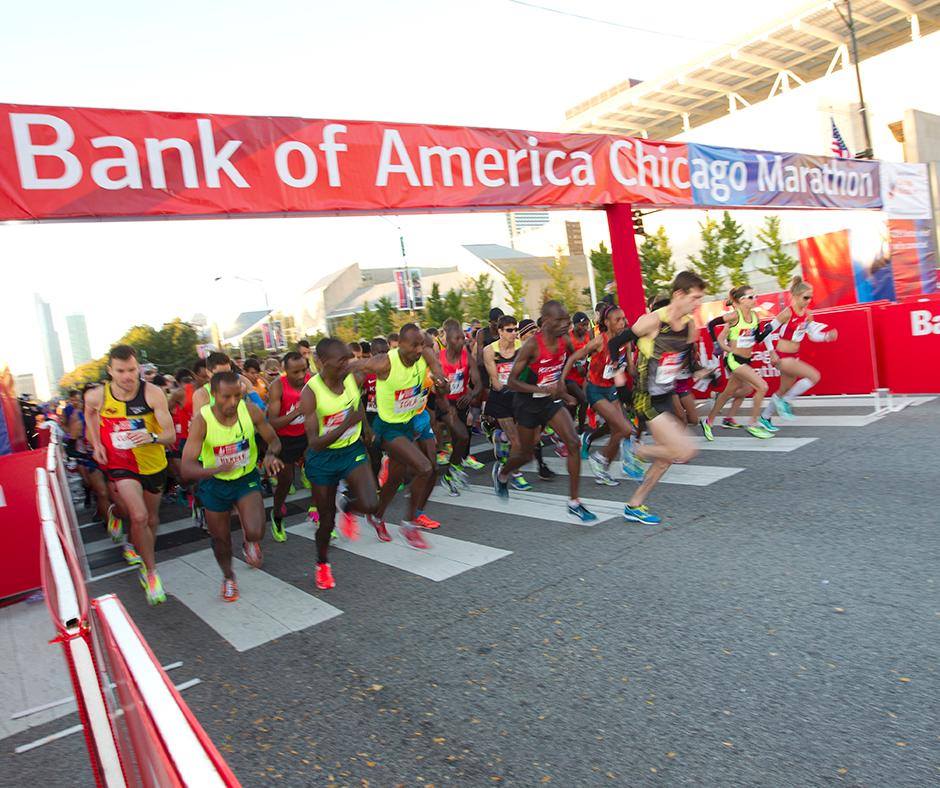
x=707 y=430
x=758 y=432
x=277 y=529
x=152 y=585
x=130 y=555
x=472 y=463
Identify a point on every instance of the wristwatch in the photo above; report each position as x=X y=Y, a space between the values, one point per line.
x=154 y=437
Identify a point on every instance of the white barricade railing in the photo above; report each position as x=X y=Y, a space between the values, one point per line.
x=65 y=509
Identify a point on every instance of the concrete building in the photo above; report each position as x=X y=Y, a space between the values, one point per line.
x=25 y=384
x=52 y=351
x=78 y=339
x=520 y=222
x=780 y=88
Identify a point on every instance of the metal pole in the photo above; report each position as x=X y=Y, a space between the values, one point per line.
x=869 y=152
x=404 y=259
x=591 y=285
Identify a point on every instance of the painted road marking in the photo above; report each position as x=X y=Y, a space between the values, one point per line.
x=445 y=558
x=268 y=608
x=542 y=506
x=776 y=443
x=693 y=475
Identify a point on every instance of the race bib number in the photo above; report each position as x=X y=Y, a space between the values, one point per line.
x=409 y=399
x=669 y=366
x=332 y=421
x=611 y=369
x=232 y=455
x=502 y=372
x=548 y=376
x=746 y=338
x=179 y=428
x=299 y=418
x=120 y=436
x=799 y=333
x=457 y=384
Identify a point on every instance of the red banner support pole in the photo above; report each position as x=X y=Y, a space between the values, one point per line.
x=626 y=261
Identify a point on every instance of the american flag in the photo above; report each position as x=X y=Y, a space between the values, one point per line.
x=839 y=148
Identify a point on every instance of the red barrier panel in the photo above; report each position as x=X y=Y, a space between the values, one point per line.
x=908 y=346
x=19 y=522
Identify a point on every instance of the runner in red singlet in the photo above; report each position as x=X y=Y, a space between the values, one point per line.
x=539 y=402
x=463 y=386
x=575 y=379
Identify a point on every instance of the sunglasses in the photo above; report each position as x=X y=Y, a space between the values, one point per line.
x=510 y=329
x=807 y=298
x=748 y=297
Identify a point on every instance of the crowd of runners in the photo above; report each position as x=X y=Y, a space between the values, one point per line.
x=358 y=423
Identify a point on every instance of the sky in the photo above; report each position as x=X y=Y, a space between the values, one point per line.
x=501 y=63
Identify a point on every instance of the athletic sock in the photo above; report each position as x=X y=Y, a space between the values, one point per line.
x=768 y=410
x=574 y=503
x=800 y=387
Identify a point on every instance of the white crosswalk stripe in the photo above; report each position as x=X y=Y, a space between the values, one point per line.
x=445 y=558
x=548 y=507
x=692 y=474
x=268 y=608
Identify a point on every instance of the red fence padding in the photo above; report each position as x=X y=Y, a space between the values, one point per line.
x=907 y=343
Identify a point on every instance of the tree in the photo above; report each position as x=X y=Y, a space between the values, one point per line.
x=453 y=303
x=401 y=317
x=384 y=308
x=734 y=251
x=345 y=329
x=89 y=372
x=656 y=262
x=781 y=265
x=561 y=284
x=603 y=264
x=435 y=307
x=479 y=296
x=367 y=322
x=708 y=263
x=515 y=293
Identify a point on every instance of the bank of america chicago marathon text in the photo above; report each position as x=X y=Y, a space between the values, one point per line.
x=630 y=162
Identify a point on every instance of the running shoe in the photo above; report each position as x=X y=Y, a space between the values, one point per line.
x=500 y=487
x=413 y=536
x=459 y=475
x=518 y=482
x=199 y=515
x=783 y=407
x=229 y=590
x=443 y=458
x=152 y=585
x=449 y=484
x=601 y=469
x=758 y=432
x=767 y=424
x=115 y=526
x=324 y=579
x=349 y=526
x=631 y=466
x=292 y=489
x=729 y=423
x=312 y=514
x=581 y=513
x=560 y=448
x=380 y=528
x=472 y=463
x=585 y=444
x=423 y=521
x=303 y=479
x=129 y=554
x=706 y=430
x=546 y=474
x=500 y=445
x=383 y=471
x=252 y=554
x=641 y=514
x=277 y=529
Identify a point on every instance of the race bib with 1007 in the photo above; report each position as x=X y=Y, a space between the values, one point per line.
x=409 y=399
x=669 y=366
x=332 y=421
x=120 y=435
x=232 y=455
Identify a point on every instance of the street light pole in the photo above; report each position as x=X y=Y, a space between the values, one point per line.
x=868 y=153
x=404 y=260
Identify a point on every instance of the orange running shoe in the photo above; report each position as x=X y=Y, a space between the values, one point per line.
x=349 y=526
x=423 y=521
x=413 y=536
x=324 y=579
x=229 y=590
x=383 y=471
x=252 y=553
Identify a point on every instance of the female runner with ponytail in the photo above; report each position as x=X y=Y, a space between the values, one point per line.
x=737 y=341
x=790 y=327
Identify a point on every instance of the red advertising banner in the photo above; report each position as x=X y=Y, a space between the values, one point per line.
x=68 y=162
x=827 y=265
x=402 y=286
x=907 y=338
x=19 y=522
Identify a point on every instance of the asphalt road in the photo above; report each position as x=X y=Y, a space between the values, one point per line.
x=782 y=627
